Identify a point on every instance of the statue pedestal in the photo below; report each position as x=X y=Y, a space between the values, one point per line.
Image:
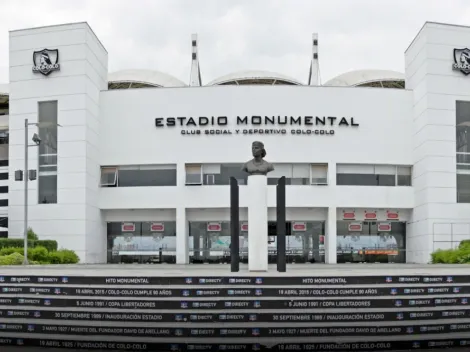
x=257 y=223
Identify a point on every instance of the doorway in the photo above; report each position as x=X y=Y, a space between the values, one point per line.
x=210 y=242
x=371 y=242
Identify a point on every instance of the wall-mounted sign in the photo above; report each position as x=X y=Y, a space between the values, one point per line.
x=370 y=215
x=214 y=226
x=384 y=226
x=349 y=215
x=157 y=227
x=46 y=61
x=462 y=60
x=299 y=226
x=392 y=215
x=244 y=227
x=355 y=227
x=128 y=227
x=278 y=125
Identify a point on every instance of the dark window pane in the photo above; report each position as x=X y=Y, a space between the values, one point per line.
x=463 y=188
x=47 y=130
x=3 y=162
x=4 y=176
x=146 y=178
x=47 y=192
x=404 y=180
x=4 y=222
x=356 y=180
x=3 y=189
x=385 y=180
x=3 y=202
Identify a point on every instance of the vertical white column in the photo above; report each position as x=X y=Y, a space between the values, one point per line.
x=330 y=238
x=257 y=223
x=182 y=233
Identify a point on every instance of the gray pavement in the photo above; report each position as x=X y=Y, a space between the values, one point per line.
x=224 y=270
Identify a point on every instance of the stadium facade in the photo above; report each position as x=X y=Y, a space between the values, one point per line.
x=134 y=166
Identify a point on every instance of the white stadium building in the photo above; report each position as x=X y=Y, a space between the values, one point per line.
x=134 y=165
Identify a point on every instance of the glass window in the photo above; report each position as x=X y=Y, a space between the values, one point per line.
x=404 y=175
x=109 y=176
x=368 y=244
x=463 y=151
x=142 y=242
x=4 y=176
x=193 y=174
x=463 y=188
x=47 y=192
x=373 y=175
x=319 y=174
x=146 y=176
x=47 y=131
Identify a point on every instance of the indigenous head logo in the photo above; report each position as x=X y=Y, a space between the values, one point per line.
x=46 y=61
x=462 y=60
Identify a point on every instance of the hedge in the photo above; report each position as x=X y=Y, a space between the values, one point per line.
x=37 y=255
x=19 y=242
x=460 y=255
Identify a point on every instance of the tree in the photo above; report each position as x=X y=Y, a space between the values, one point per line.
x=32 y=235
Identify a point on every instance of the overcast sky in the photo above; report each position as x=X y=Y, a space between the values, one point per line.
x=235 y=35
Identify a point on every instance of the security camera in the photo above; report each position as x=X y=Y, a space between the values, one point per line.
x=36 y=139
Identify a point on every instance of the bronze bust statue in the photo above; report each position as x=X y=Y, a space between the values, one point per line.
x=257 y=165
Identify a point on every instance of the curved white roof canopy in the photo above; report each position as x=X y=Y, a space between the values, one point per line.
x=141 y=79
x=254 y=77
x=361 y=77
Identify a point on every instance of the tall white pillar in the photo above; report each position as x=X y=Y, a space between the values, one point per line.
x=330 y=238
x=182 y=237
x=257 y=223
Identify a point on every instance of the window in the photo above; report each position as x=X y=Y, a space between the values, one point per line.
x=3 y=176
x=463 y=150
x=147 y=175
x=109 y=176
x=463 y=187
x=319 y=174
x=295 y=174
x=194 y=174
x=138 y=176
x=47 y=130
x=403 y=176
x=372 y=175
x=3 y=202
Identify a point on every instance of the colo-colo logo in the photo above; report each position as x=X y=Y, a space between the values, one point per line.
x=257 y=124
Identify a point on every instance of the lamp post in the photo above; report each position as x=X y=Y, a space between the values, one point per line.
x=26 y=176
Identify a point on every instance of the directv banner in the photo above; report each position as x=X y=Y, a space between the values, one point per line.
x=234 y=317
x=285 y=331
x=235 y=292
x=133 y=346
x=272 y=280
x=235 y=304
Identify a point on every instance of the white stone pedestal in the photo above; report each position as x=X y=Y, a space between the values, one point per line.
x=257 y=223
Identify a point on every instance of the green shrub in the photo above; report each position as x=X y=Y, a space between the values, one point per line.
x=12 y=259
x=54 y=257
x=18 y=242
x=63 y=256
x=465 y=245
x=39 y=254
x=10 y=250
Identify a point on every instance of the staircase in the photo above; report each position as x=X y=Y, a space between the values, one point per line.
x=234 y=313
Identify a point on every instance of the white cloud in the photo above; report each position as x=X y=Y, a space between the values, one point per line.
x=234 y=35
